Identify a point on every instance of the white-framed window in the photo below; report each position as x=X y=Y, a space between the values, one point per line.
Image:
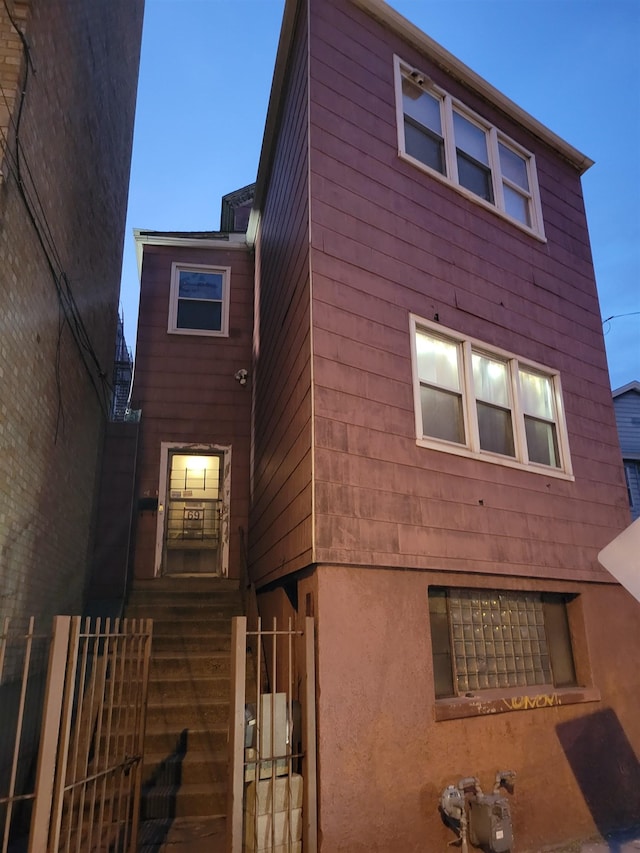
x=439 y=134
x=477 y=400
x=199 y=302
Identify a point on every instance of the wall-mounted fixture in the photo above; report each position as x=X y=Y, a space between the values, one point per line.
x=482 y=819
x=241 y=376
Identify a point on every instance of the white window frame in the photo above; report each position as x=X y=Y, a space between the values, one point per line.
x=173 y=327
x=493 y=137
x=471 y=446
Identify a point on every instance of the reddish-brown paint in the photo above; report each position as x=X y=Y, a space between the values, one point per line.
x=185 y=387
x=387 y=240
x=281 y=531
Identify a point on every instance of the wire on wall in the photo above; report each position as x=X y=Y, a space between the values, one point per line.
x=69 y=313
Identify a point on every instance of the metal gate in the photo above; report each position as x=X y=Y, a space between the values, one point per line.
x=80 y=709
x=272 y=802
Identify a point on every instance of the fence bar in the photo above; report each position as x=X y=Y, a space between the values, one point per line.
x=236 y=734
x=309 y=793
x=147 y=627
x=54 y=692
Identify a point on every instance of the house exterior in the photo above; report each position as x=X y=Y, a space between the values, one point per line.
x=427 y=461
x=626 y=403
x=420 y=243
x=192 y=384
x=69 y=79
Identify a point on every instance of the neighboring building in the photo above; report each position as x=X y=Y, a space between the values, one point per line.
x=433 y=451
x=69 y=80
x=626 y=402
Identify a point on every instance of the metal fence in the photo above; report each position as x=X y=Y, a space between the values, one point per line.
x=73 y=731
x=272 y=804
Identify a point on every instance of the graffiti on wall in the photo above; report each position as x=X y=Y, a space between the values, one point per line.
x=526 y=703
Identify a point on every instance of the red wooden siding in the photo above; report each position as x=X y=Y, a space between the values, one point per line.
x=280 y=533
x=186 y=388
x=388 y=240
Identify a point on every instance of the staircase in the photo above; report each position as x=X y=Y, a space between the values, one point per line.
x=185 y=761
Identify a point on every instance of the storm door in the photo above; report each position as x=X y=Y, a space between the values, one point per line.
x=194 y=513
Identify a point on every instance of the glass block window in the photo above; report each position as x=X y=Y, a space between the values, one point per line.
x=491 y=639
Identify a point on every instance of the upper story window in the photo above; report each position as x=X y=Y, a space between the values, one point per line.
x=438 y=133
x=199 y=303
x=475 y=400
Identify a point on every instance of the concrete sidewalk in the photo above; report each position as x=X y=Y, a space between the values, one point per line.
x=627 y=841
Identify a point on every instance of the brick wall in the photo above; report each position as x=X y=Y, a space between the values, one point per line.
x=59 y=284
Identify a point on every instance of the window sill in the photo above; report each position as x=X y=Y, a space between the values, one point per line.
x=202 y=333
x=488 y=702
x=476 y=199
x=495 y=459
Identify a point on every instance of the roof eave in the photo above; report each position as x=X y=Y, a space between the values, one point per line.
x=382 y=12
x=185 y=240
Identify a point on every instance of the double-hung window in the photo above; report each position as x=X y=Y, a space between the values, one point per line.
x=438 y=133
x=199 y=300
x=476 y=400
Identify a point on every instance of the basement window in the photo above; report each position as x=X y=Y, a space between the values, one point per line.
x=486 y=639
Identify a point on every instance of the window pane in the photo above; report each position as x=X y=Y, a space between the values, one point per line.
x=442 y=415
x=496 y=430
x=470 y=138
x=200 y=285
x=475 y=177
x=421 y=106
x=490 y=380
x=541 y=442
x=559 y=640
x=440 y=643
x=537 y=394
x=193 y=314
x=437 y=361
x=498 y=639
x=513 y=166
x=517 y=205
x=424 y=146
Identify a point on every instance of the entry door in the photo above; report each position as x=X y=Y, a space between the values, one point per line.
x=194 y=512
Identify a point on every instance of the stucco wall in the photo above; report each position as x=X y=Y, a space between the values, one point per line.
x=384 y=761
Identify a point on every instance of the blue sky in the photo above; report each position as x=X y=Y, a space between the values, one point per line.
x=205 y=76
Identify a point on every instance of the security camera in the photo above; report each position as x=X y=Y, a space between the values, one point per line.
x=241 y=376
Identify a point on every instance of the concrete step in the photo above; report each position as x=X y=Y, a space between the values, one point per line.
x=162 y=689
x=184 y=645
x=185 y=769
x=189 y=583
x=183 y=835
x=160 y=739
x=173 y=664
x=164 y=801
x=166 y=594
x=190 y=627
x=183 y=715
x=183 y=612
